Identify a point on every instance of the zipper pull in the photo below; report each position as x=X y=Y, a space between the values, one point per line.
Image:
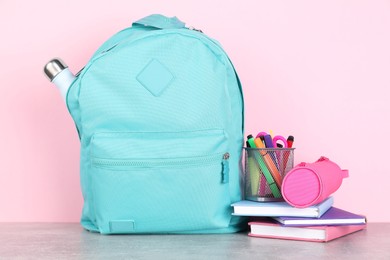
x=225 y=168
x=194 y=29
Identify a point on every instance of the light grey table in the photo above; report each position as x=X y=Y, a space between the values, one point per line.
x=70 y=241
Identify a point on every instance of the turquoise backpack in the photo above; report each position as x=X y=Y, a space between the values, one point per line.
x=159 y=112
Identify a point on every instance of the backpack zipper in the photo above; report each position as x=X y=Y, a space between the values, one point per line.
x=194 y=29
x=172 y=162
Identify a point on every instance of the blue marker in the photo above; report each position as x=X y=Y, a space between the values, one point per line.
x=268 y=141
x=270 y=144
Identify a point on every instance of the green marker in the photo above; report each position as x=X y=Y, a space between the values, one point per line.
x=271 y=182
x=254 y=174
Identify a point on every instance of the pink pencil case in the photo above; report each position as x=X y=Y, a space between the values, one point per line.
x=308 y=184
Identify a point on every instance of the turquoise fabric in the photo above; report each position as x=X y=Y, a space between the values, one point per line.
x=159 y=112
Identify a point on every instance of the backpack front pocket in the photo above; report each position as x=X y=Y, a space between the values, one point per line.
x=160 y=182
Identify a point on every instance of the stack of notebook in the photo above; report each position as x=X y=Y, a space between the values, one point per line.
x=320 y=223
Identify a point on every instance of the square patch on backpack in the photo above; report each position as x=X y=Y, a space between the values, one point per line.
x=155 y=77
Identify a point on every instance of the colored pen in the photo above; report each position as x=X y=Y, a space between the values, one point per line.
x=269 y=162
x=286 y=155
x=268 y=176
x=263 y=180
x=290 y=141
x=268 y=141
x=254 y=173
x=279 y=142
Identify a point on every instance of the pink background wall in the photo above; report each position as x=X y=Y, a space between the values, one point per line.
x=319 y=71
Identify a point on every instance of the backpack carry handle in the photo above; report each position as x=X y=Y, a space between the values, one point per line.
x=160 y=22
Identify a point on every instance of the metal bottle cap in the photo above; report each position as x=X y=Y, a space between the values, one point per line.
x=54 y=67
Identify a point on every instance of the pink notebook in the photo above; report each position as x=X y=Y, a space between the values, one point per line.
x=269 y=229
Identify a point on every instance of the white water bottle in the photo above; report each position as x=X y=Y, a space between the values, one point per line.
x=58 y=73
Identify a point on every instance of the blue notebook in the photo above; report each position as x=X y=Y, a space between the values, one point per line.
x=334 y=216
x=278 y=209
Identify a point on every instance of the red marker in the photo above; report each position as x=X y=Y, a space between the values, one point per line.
x=290 y=141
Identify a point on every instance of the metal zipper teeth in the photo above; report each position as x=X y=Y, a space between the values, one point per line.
x=158 y=162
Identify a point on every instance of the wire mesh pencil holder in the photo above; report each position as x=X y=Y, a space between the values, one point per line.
x=265 y=169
